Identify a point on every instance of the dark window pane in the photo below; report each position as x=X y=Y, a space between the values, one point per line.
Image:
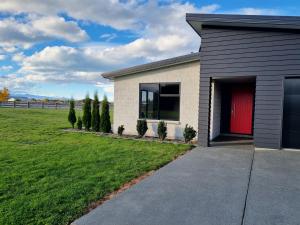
x=169 y=88
x=144 y=97
x=169 y=108
x=149 y=94
x=149 y=87
x=152 y=105
x=143 y=104
x=159 y=101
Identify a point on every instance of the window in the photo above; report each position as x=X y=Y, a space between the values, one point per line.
x=160 y=101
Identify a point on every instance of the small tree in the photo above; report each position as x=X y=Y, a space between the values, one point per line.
x=189 y=133
x=87 y=116
x=105 y=125
x=72 y=114
x=79 y=123
x=120 y=130
x=96 y=114
x=162 y=130
x=4 y=94
x=141 y=127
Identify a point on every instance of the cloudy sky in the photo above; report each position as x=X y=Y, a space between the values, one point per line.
x=60 y=48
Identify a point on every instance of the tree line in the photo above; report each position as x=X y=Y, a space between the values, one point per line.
x=92 y=118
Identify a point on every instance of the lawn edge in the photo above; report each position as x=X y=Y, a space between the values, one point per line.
x=129 y=184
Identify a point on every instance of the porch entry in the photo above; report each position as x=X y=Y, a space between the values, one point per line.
x=231 y=108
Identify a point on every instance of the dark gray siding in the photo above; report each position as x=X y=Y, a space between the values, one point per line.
x=268 y=55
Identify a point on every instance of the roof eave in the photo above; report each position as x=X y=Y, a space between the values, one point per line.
x=197 y=21
x=119 y=73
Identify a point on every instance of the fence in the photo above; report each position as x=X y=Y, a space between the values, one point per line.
x=43 y=105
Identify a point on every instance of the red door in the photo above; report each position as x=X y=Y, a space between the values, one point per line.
x=241 y=110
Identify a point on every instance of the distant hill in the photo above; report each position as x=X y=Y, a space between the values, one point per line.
x=30 y=97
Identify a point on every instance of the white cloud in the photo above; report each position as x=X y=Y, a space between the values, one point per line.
x=108 y=88
x=18 y=57
x=2 y=57
x=58 y=27
x=16 y=82
x=106 y=12
x=122 y=15
x=256 y=11
x=5 y=68
x=108 y=37
x=64 y=65
x=21 y=34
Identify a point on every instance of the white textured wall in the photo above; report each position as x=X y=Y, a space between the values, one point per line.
x=126 y=98
x=215 y=112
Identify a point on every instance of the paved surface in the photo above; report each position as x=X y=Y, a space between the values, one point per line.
x=211 y=186
x=204 y=187
x=274 y=191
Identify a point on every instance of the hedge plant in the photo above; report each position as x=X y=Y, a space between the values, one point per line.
x=79 y=123
x=72 y=114
x=105 y=125
x=141 y=127
x=96 y=114
x=189 y=133
x=87 y=115
x=162 y=130
x=120 y=130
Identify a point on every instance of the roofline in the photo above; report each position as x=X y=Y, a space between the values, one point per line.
x=244 y=21
x=153 y=65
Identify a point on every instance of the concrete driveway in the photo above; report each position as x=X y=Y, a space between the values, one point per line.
x=274 y=190
x=211 y=186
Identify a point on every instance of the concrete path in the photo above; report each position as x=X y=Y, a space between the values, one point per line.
x=274 y=190
x=204 y=187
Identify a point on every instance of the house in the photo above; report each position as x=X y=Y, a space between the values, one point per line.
x=11 y=100
x=164 y=90
x=249 y=80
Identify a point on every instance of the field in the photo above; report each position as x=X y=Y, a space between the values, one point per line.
x=48 y=176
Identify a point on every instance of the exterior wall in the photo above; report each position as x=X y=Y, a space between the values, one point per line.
x=126 y=98
x=268 y=55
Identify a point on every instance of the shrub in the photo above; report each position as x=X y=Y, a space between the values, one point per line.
x=87 y=116
x=105 y=125
x=141 y=127
x=96 y=114
x=120 y=130
x=72 y=114
x=79 y=123
x=189 y=133
x=162 y=130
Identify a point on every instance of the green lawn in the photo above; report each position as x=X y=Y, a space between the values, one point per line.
x=48 y=176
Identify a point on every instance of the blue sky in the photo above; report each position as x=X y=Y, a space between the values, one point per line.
x=60 y=48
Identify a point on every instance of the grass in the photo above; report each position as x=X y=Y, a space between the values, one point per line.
x=48 y=176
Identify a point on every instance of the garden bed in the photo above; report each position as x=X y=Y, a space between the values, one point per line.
x=131 y=137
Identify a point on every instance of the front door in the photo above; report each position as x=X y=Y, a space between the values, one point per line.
x=241 y=110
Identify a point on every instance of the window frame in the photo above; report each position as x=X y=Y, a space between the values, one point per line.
x=158 y=102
